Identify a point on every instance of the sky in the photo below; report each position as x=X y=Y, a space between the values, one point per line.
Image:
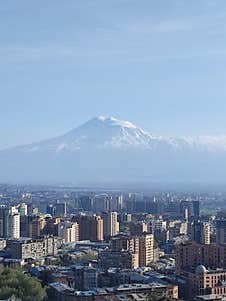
x=160 y=64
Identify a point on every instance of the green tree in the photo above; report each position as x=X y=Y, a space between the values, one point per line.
x=16 y=285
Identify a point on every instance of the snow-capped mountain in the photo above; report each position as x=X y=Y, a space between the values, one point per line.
x=108 y=149
x=97 y=133
x=108 y=132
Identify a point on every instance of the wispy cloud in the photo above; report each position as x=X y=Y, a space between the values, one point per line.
x=73 y=55
x=125 y=42
x=180 y=25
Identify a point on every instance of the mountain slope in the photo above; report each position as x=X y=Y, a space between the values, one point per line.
x=106 y=149
x=100 y=132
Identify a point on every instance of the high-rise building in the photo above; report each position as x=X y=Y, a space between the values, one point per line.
x=27 y=248
x=125 y=218
x=110 y=224
x=200 y=232
x=146 y=249
x=14 y=225
x=32 y=209
x=68 y=231
x=86 y=203
x=61 y=209
x=206 y=234
x=24 y=225
x=51 y=209
x=124 y=242
x=120 y=203
x=196 y=209
x=101 y=203
x=22 y=208
x=90 y=227
x=221 y=231
x=36 y=225
x=4 y=221
x=138 y=228
x=9 y=222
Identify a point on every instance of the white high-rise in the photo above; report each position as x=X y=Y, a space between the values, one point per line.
x=110 y=223
x=9 y=222
x=146 y=249
x=14 y=225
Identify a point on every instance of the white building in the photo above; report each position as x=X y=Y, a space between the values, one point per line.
x=110 y=223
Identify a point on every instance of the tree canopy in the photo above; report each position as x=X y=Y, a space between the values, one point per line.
x=16 y=285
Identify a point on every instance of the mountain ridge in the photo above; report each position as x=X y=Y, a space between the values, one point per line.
x=107 y=149
x=121 y=134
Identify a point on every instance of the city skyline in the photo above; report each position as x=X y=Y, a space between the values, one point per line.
x=160 y=65
x=113 y=150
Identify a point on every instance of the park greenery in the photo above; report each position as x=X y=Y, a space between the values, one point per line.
x=16 y=285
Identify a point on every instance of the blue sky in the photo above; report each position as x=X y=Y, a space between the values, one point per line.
x=160 y=64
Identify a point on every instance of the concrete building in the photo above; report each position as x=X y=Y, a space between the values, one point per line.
x=203 y=281
x=32 y=249
x=141 y=246
x=90 y=227
x=124 y=242
x=196 y=209
x=68 y=231
x=14 y=225
x=200 y=232
x=206 y=234
x=221 y=231
x=192 y=254
x=22 y=208
x=36 y=226
x=110 y=224
x=60 y=209
x=85 y=278
x=138 y=228
x=137 y=292
x=121 y=259
x=146 y=249
x=9 y=222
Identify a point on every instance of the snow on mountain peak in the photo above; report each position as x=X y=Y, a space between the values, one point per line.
x=108 y=132
x=115 y=122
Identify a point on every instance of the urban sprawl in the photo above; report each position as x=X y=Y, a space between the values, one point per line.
x=116 y=245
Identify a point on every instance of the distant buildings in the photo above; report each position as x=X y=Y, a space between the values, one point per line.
x=59 y=209
x=161 y=240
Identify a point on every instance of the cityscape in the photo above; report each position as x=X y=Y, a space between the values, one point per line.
x=116 y=245
x=113 y=150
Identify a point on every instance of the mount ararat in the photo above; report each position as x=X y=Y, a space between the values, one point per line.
x=108 y=150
